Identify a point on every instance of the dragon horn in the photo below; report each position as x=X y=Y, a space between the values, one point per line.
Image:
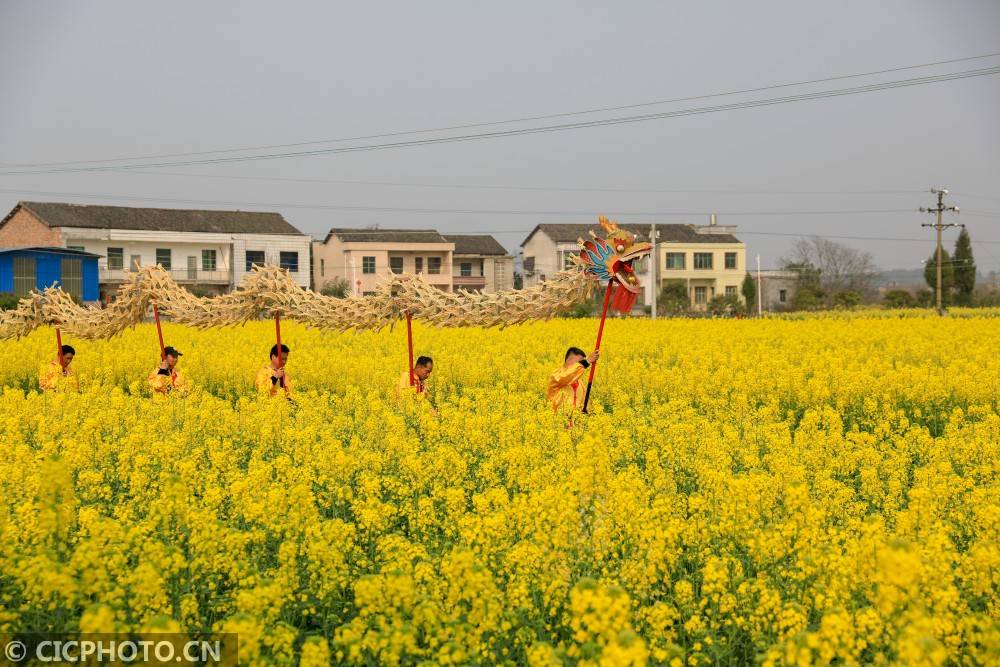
x=610 y=226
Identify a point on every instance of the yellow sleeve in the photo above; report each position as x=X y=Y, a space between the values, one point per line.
x=48 y=377
x=263 y=382
x=564 y=377
x=158 y=383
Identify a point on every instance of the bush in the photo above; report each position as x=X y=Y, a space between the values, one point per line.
x=899 y=298
x=673 y=298
x=338 y=287
x=8 y=301
x=725 y=305
x=847 y=299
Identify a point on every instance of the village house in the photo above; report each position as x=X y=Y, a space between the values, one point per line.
x=205 y=251
x=365 y=257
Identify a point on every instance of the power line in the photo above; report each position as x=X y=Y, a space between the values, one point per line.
x=989 y=71
x=529 y=188
x=522 y=119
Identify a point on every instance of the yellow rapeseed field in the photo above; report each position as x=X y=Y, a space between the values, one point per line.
x=778 y=491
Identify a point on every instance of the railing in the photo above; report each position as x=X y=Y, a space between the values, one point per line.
x=192 y=275
x=469 y=281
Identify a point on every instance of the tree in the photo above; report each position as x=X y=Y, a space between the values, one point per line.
x=749 y=291
x=947 y=275
x=338 y=287
x=840 y=266
x=846 y=299
x=899 y=298
x=965 y=270
x=673 y=298
x=809 y=292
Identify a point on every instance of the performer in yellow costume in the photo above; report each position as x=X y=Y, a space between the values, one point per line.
x=58 y=377
x=565 y=390
x=422 y=370
x=273 y=379
x=166 y=379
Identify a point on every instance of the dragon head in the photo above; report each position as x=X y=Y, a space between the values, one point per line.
x=611 y=258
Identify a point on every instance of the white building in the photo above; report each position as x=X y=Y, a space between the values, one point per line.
x=206 y=251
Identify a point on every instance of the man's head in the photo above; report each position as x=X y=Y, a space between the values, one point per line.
x=574 y=355
x=284 y=354
x=423 y=367
x=67 y=354
x=171 y=355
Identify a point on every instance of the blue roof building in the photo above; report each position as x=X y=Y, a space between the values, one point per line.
x=26 y=269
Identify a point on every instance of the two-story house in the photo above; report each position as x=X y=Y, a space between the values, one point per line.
x=364 y=257
x=708 y=259
x=206 y=251
x=480 y=264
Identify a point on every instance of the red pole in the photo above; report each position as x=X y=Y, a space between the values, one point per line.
x=277 y=335
x=62 y=363
x=159 y=331
x=409 y=346
x=597 y=345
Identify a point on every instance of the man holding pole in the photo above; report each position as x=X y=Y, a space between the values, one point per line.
x=273 y=380
x=416 y=383
x=166 y=379
x=57 y=376
x=564 y=388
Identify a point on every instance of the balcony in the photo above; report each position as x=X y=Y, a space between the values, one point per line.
x=181 y=276
x=469 y=282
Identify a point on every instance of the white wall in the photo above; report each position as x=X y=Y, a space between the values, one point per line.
x=230 y=248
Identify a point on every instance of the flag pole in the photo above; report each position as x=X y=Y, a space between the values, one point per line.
x=597 y=346
x=409 y=346
x=159 y=331
x=277 y=336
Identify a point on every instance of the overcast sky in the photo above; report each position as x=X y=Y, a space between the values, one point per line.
x=95 y=80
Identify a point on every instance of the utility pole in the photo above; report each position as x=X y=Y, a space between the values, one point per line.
x=653 y=263
x=940 y=226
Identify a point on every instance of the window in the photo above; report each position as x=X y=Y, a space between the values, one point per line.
x=24 y=275
x=116 y=259
x=418 y=263
x=289 y=260
x=163 y=257
x=208 y=260
x=730 y=260
x=568 y=260
x=675 y=260
x=367 y=265
x=396 y=264
x=782 y=295
x=76 y=247
x=529 y=264
x=322 y=266
x=254 y=257
x=730 y=290
x=700 y=293
x=71 y=277
x=703 y=260
x=465 y=269
x=433 y=265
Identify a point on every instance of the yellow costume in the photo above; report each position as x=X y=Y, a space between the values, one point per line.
x=265 y=387
x=403 y=388
x=565 y=390
x=51 y=378
x=166 y=384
